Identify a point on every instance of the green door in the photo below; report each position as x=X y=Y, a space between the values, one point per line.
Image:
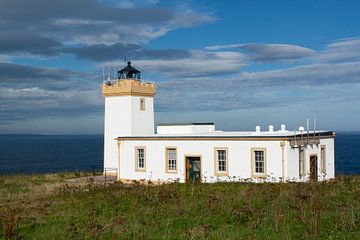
x=193 y=169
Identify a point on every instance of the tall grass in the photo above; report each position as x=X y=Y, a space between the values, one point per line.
x=328 y=210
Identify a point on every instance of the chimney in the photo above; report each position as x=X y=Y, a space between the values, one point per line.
x=283 y=128
x=257 y=129
x=271 y=128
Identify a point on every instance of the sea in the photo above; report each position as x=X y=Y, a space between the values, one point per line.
x=31 y=154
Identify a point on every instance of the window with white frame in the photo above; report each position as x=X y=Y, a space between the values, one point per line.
x=259 y=162
x=140 y=158
x=221 y=160
x=171 y=159
x=323 y=159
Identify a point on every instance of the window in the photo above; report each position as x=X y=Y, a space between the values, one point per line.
x=302 y=161
x=142 y=104
x=258 y=162
x=140 y=158
x=323 y=159
x=221 y=161
x=171 y=164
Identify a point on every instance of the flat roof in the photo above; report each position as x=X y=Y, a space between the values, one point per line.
x=182 y=124
x=232 y=135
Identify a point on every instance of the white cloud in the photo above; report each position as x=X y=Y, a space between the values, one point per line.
x=200 y=63
x=262 y=89
x=267 y=52
x=341 y=51
x=84 y=22
x=5 y=58
x=312 y=74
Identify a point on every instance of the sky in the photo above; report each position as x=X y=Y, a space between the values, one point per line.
x=236 y=63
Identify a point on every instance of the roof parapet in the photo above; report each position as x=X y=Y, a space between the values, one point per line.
x=128 y=87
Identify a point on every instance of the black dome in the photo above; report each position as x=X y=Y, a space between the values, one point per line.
x=129 y=72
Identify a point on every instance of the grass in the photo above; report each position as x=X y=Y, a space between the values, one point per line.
x=46 y=207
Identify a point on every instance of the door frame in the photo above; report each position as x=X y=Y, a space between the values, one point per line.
x=185 y=167
x=316 y=167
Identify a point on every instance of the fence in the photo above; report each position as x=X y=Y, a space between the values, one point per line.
x=99 y=170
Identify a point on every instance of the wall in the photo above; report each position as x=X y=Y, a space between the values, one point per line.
x=293 y=160
x=124 y=118
x=239 y=159
x=142 y=122
x=117 y=122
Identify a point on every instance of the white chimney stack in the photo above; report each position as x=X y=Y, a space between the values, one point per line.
x=271 y=128
x=283 y=128
x=257 y=129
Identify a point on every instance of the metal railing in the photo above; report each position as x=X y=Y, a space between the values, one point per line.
x=301 y=140
x=99 y=170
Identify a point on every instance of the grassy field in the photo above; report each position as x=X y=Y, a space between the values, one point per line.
x=46 y=207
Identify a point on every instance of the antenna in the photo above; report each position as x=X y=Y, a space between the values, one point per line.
x=314 y=125
x=307 y=127
x=103 y=73
x=307 y=124
x=114 y=71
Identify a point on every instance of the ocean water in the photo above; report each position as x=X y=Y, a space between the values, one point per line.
x=47 y=154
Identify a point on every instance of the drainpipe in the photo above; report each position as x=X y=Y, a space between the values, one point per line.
x=282 y=145
x=118 y=169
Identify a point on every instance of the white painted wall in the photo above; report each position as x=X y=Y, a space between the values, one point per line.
x=330 y=158
x=123 y=117
x=293 y=160
x=292 y=163
x=239 y=159
x=142 y=122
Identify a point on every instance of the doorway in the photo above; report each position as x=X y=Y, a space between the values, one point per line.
x=313 y=168
x=193 y=169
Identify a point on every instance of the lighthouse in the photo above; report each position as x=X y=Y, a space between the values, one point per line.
x=129 y=110
x=196 y=152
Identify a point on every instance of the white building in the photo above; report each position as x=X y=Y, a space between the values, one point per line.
x=198 y=152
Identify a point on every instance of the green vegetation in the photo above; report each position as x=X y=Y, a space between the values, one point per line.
x=47 y=207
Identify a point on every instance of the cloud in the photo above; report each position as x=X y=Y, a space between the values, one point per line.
x=101 y=52
x=28 y=42
x=268 y=52
x=210 y=79
x=191 y=63
x=196 y=80
x=312 y=74
x=19 y=76
x=343 y=50
x=31 y=92
x=43 y=27
x=257 y=89
x=37 y=103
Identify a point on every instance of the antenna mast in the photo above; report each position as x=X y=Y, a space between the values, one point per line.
x=314 y=127
x=103 y=73
x=307 y=127
x=114 y=71
x=109 y=73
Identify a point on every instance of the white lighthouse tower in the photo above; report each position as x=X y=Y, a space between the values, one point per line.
x=129 y=111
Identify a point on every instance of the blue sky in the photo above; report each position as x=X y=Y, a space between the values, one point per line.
x=235 y=63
